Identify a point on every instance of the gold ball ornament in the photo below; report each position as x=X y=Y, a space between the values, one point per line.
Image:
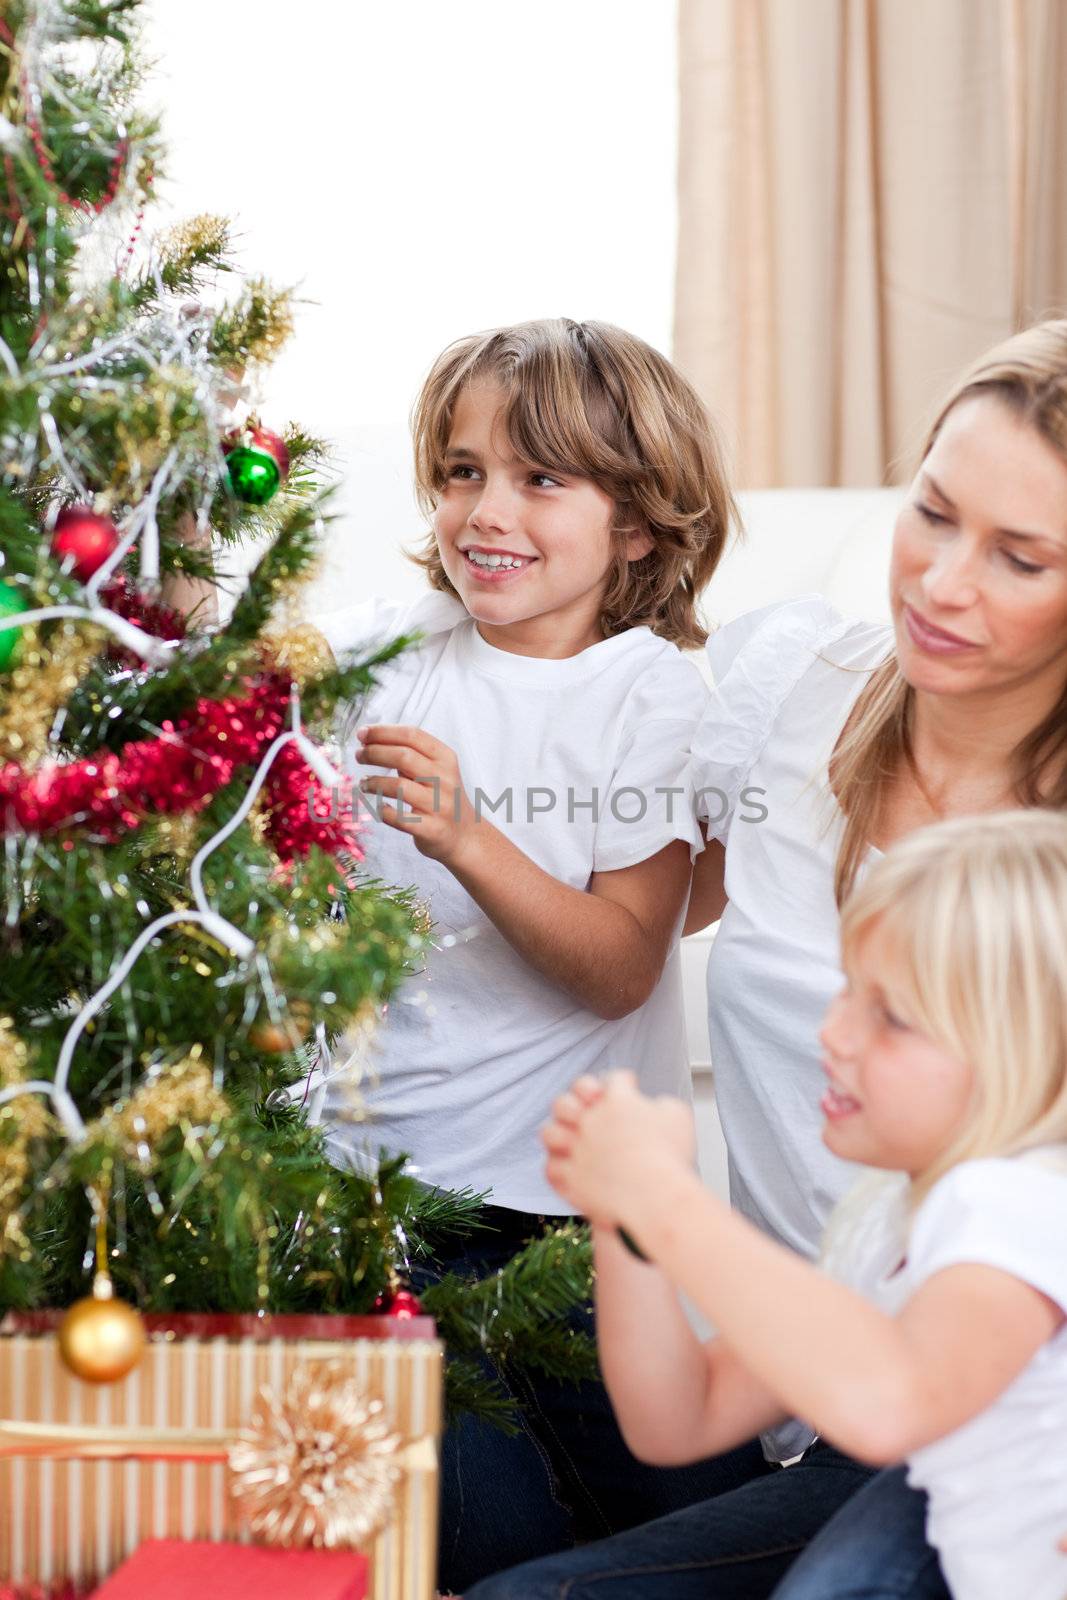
x=275 y=1035
x=101 y=1339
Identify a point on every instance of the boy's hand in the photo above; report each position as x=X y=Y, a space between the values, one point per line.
x=610 y=1147
x=433 y=807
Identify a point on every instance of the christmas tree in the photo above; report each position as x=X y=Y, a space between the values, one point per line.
x=185 y=931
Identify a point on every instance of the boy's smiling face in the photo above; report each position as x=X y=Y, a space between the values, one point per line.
x=528 y=552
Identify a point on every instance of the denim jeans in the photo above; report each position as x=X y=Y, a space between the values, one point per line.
x=874 y=1548
x=567 y=1476
x=736 y=1546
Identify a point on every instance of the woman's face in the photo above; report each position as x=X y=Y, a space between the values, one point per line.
x=978 y=579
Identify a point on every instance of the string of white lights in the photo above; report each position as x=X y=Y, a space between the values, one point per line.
x=205 y=915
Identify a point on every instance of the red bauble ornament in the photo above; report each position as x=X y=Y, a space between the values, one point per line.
x=257 y=462
x=398 y=1303
x=84 y=536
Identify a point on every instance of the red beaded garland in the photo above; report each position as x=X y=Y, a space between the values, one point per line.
x=45 y=164
x=126 y=256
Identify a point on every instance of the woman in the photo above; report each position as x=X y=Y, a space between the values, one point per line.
x=826 y=740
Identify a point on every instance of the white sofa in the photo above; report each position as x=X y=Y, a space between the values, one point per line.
x=833 y=542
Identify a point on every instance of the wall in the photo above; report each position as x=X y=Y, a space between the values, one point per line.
x=422 y=171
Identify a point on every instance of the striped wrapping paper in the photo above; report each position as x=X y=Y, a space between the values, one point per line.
x=65 y=1524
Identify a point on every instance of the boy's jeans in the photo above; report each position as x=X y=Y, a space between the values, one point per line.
x=569 y=1478
x=739 y=1545
x=873 y=1549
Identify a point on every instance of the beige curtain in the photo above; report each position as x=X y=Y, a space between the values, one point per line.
x=871 y=192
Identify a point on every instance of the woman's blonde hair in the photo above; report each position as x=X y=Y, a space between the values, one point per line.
x=1028 y=374
x=969 y=923
x=588 y=399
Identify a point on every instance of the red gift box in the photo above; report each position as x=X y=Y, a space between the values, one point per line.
x=171 y=1569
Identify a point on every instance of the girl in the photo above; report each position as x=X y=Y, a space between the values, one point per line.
x=943 y=1337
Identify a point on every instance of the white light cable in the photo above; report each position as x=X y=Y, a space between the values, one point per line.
x=154 y=651
x=318 y=763
x=142 y=520
x=205 y=914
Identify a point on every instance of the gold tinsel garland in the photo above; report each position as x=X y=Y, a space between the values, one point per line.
x=182 y=1093
x=23 y=1121
x=301 y=651
x=177 y=835
x=202 y=235
x=319 y=1466
x=265 y=319
x=43 y=680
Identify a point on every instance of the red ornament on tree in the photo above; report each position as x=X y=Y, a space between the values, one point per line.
x=398 y=1303
x=257 y=462
x=83 y=540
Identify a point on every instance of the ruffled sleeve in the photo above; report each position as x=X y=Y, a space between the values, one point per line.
x=756 y=661
x=647 y=806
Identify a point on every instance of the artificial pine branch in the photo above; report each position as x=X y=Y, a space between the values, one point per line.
x=471 y=1391
x=520 y=1312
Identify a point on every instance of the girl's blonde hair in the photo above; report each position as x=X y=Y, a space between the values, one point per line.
x=588 y=399
x=1028 y=374
x=969 y=918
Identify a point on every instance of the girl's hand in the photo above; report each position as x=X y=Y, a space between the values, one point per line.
x=610 y=1151
x=433 y=807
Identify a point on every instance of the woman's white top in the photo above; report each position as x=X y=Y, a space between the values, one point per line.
x=786 y=678
x=996 y=1486
x=578 y=762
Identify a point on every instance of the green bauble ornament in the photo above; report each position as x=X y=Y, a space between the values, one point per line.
x=257 y=462
x=11 y=603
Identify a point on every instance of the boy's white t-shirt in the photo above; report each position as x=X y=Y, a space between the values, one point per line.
x=996 y=1486
x=473 y=1050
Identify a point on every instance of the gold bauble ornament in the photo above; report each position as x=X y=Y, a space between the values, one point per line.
x=275 y=1035
x=101 y=1339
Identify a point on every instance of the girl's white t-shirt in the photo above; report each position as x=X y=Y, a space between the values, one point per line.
x=573 y=759
x=997 y=1506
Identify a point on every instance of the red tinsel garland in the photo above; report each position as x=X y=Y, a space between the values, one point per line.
x=161 y=621
x=302 y=812
x=181 y=770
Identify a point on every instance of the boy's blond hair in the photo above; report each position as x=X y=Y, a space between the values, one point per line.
x=588 y=399
x=968 y=920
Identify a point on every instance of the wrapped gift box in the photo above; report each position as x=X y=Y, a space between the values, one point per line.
x=163 y=1569
x=68 y=1518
